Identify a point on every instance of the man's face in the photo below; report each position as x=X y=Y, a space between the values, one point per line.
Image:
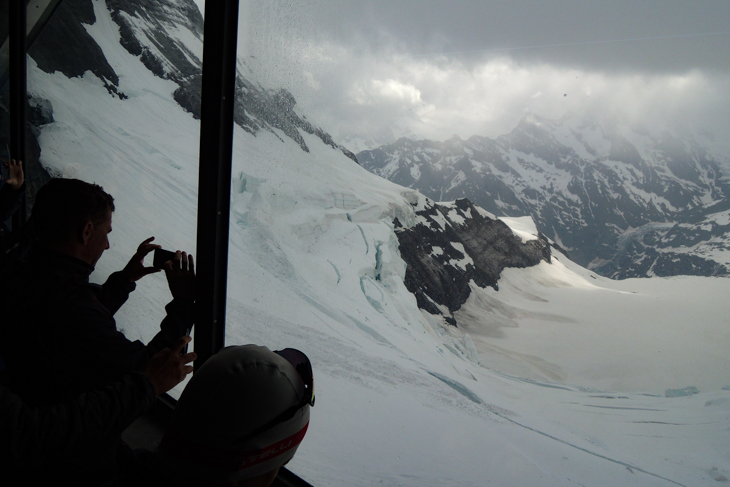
x=99 y=239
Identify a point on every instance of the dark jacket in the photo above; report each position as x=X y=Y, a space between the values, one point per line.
x=38 y=444
x=58 y=337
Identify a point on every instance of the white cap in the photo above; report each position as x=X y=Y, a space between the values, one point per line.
x=238 y=391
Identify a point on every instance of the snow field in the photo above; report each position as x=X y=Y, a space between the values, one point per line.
x=551 y=324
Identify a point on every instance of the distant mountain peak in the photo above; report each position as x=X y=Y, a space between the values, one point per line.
x=586 y=181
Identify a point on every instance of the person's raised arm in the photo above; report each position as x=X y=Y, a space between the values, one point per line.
x=135 y=268
x=13 y=189
x=116 y=289
x=180 y=272
x=169 y=366
x=16 y=177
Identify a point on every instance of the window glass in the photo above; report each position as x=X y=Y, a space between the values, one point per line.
x=102 y=108
x=601 y=128
x=448 y=348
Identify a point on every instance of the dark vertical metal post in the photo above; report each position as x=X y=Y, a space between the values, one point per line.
x=214 y=181
x=17 y=87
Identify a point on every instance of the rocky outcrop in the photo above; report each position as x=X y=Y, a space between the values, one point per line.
x=80 y=52
x=259 y=109
x=455 y=244
x=143 y=32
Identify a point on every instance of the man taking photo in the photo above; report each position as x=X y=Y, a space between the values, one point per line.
x=58 y=336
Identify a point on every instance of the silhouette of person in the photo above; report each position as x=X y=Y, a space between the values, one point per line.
x=58 y=336
x=54 y=315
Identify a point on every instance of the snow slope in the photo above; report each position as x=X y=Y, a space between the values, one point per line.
x=564 y=324
x=402 y=399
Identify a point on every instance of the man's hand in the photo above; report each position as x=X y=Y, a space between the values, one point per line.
x=16 y=177
x=168 y=368
x=180 y=273
x=135 y=269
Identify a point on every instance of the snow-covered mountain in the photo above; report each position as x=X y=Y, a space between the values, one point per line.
x=552 y=376
x=620 y=200
x=166 y=35
x=374 y=136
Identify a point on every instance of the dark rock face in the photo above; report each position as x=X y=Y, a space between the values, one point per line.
x=179 y=63
x=586 y=186
x=259 y=109
x=144 y=27
x=255 y=107
x=80 y=51
x=453 y=245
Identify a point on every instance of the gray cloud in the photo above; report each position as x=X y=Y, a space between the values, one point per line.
x=596 y=35
x=435 y=68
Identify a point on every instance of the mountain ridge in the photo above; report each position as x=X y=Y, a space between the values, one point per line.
x=586 y=183
x=151 y=31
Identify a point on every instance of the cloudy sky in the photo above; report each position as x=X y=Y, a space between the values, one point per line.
x=435 y=68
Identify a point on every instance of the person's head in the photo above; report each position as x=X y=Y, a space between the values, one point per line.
x=74 y=217
x=241 y=417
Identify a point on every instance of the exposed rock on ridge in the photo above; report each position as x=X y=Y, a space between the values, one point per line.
x=80 y=52
x=454 y=244
x=143 y=27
